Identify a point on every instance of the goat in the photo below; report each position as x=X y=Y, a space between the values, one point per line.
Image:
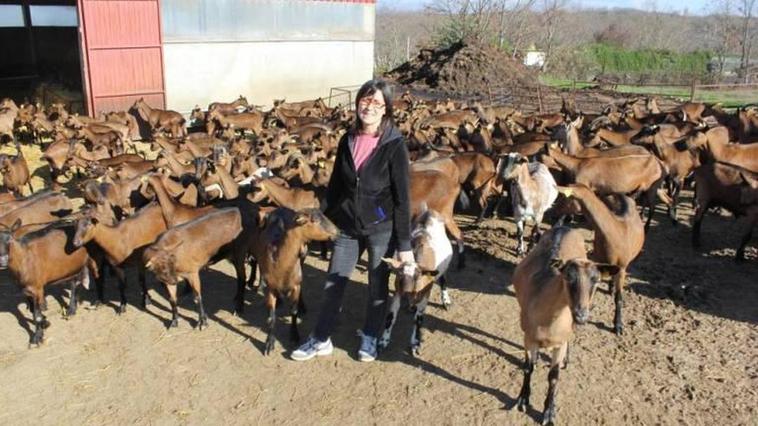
x=625 y=174
x=433 y=253
x=183 y=250
x=619 y=237
x=44 y=257
x=716 y=142
x=47 y=207
x=533 y=191
x=438 y=192
x=722 y=185
x=159 y=119
x=122 y=244
x=15 y=171
x=276 y=250
x=281 y=196
x=554 y=287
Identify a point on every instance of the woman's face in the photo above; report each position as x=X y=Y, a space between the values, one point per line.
x=371 y=110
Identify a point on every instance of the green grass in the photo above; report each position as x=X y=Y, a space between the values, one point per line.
x=729 y=98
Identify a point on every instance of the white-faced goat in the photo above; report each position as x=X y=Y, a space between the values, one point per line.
x=533 y=191
x=433 y=253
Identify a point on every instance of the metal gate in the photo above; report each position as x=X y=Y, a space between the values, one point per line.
x=122 y=58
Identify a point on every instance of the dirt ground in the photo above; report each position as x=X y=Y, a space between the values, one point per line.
x=689 y=355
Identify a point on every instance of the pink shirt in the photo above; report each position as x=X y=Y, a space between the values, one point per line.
x=363 y=146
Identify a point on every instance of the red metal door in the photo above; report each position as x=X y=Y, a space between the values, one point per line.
x=123 y=59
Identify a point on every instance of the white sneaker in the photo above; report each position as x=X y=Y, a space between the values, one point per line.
x=367 y=351
x=312 y=348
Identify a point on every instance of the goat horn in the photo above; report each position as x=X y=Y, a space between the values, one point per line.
x=149 y=264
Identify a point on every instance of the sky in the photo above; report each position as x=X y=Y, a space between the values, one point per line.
x=693 y=7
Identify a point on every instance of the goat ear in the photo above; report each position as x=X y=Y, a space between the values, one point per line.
x=173 y=246
x=301 y=218
x=393 y=263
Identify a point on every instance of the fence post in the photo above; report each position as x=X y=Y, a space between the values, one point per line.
x=539 y=98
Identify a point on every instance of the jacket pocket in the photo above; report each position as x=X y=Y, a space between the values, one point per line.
x=372 y=209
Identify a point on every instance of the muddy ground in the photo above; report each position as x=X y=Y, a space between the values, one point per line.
x=689 y=355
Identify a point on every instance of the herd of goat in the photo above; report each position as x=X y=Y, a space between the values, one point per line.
x=240 y=183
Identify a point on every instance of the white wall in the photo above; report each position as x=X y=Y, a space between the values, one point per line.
x=200 y=73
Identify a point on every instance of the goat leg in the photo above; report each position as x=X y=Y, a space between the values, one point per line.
x=618 y=297
x=389 y=323
x=39 y=323
x=143 y=282
x=193 y=282
x=523 y=398
x=296 y=299
x=71 y=311
x=520 y=235
x=239 y=297
x=740 y=255
x=174 y=309
x=271 y=322
x=416 y=337
x=446 y=300
x=121 y=288
x=548 y=415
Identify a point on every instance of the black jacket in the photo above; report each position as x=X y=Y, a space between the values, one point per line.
x=377 y=197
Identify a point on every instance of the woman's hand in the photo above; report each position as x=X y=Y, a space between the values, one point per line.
x=409 y=262
x=406 y=256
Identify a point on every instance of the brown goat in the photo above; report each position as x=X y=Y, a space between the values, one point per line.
x=182 y=251
x=48 y=207
x=281 y=196
x=44 y=257
x=159 y=119
x=15 y=172
x=628 y=174
x=554 y=287
x=619 y=237
x=122 y=244
x=276 y=250
x=722 y=185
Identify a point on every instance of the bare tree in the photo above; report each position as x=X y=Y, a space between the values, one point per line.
x=552 y=13
x=465 y=19
x=745 y=8
x=724 y=33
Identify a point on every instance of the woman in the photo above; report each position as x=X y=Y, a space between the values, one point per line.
x=368 y=199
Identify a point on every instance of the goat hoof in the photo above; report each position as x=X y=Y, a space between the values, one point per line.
x=269 y=347
x=619 y=330
x=202 y=324
x=415 y=351
x=522 y=403
x=35 y=341
x=121 y=309
x=173 y=324
x=548 y=417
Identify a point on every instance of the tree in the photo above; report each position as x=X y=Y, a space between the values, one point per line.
x=551 y=19
x=464 y=19
x=745 y=8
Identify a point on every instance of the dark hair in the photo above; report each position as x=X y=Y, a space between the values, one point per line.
x=368 y=89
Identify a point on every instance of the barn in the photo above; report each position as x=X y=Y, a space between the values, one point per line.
x=102 y=55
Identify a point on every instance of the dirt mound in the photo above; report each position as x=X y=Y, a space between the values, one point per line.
x=464 y=69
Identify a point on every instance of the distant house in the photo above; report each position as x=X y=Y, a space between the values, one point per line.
x=534 y=58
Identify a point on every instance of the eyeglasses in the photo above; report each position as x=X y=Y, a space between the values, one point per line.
x=370 y=103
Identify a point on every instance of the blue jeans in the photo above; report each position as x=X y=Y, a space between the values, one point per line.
x=347 y=251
